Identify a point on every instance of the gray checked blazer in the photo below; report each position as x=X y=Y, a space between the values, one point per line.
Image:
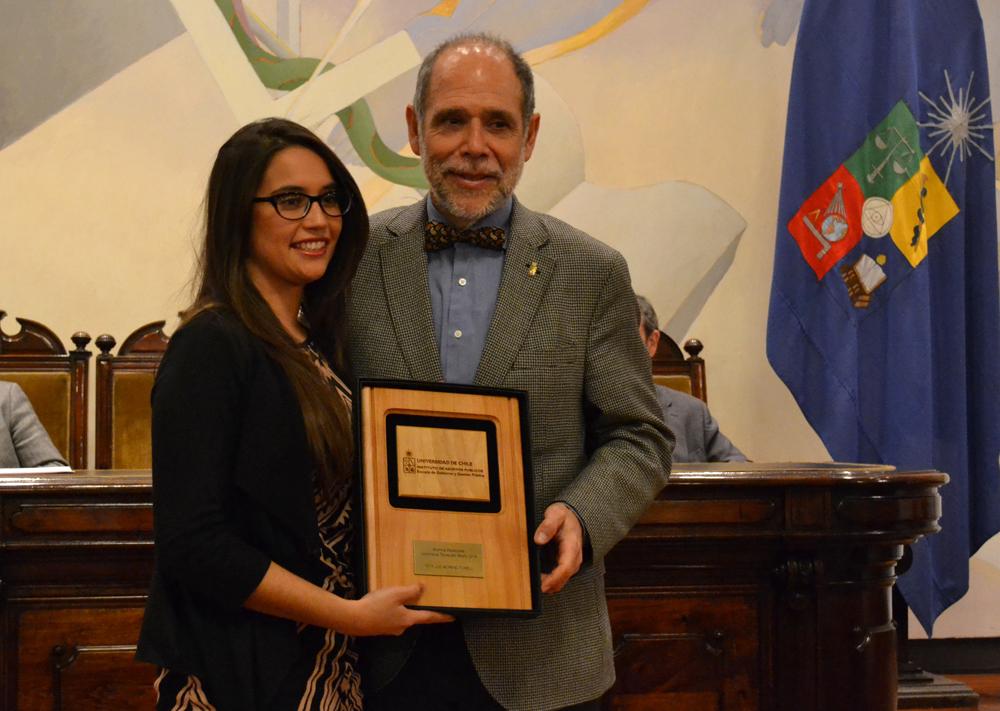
x=565 y=333
x=23 y=440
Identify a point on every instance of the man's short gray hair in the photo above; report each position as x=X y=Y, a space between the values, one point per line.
x=521 y=70
x=647 y=314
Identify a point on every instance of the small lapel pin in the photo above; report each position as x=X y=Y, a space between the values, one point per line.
x=533 y=269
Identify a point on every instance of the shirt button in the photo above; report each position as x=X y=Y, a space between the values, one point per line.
x=458 y=333
x=463 y=281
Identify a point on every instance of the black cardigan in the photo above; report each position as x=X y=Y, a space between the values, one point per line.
x=232 y=491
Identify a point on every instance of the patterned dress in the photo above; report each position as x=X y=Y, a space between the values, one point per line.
x=325 y=677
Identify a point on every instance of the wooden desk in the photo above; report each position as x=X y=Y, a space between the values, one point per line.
x=758 y=587
x=765 y=586
x=76 y=557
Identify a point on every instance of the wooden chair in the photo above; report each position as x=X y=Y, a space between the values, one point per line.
x=124 y=385
x=54 y=381
x=673 y=370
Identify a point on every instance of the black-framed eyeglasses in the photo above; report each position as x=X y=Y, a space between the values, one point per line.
x=295 y=206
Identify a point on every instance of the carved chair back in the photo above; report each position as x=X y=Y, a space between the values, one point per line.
x=54 y=381
x=673 y=370
x=124 y=385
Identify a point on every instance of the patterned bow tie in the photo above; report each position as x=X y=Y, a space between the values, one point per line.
x=438 y=235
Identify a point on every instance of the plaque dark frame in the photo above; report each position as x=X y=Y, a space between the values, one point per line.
x=534 y=559
x=429 y=503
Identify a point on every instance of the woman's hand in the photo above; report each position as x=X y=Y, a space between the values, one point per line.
x=383 y=612
x=284 y=594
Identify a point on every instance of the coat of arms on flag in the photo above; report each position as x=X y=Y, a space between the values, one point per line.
x=887 y=187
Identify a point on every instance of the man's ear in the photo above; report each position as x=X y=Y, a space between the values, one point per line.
x=413 y=129
x=653 y=342
x=532 y=134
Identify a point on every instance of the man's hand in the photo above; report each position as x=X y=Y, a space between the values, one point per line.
x=562 y=525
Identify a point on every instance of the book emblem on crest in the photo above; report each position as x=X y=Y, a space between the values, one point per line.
x=863 y=278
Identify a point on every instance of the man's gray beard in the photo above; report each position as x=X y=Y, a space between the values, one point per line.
x=443 y=199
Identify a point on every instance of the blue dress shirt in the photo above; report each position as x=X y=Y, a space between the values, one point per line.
x=464 y=282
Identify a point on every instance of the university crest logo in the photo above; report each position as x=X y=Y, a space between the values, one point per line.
x=889 y=189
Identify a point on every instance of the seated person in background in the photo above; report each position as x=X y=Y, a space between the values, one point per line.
x=23 y=440
x=697 y=432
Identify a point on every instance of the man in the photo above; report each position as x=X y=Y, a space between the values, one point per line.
x=23 y=440
x=697 y=432
x=530 y=304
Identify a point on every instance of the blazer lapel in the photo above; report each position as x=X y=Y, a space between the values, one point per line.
x=527 y=270
x=404 y=274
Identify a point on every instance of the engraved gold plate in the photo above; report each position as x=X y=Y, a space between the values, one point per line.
x=441 y=558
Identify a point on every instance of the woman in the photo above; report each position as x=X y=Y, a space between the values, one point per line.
x=251 y=601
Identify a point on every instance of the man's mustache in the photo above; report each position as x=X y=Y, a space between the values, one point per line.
x=471 y=169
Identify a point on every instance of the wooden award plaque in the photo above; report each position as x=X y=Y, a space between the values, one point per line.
x=446 y=495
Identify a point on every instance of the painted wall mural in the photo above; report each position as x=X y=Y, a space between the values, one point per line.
x=347 y=70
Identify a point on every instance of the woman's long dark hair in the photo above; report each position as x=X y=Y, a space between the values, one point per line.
x=223 y=282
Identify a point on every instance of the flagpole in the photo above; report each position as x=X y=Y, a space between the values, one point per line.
x=916 y=687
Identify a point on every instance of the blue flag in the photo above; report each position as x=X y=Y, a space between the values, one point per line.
x=884 y=320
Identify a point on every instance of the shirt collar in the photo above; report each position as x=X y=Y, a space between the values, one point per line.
x=498 y=218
